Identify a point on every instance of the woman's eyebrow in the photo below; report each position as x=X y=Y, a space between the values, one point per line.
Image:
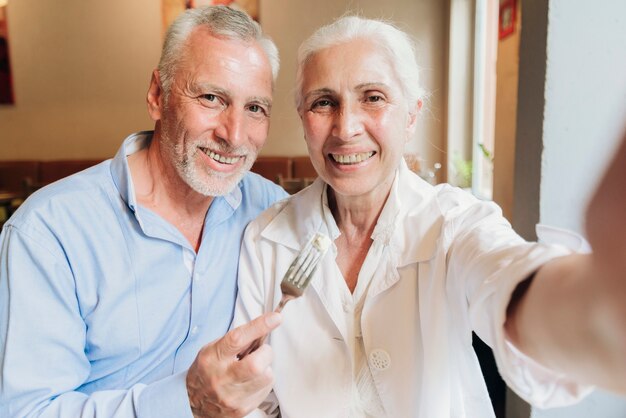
x=371 y=85
x=318 y=92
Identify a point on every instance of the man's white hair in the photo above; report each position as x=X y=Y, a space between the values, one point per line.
x=221 y=21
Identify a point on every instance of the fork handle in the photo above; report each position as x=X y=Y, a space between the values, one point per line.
x=283 y=301
x=254 y=345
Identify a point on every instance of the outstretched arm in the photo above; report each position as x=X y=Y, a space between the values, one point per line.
x=572 y=316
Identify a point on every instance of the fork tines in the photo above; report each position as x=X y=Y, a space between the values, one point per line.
x=301 y=270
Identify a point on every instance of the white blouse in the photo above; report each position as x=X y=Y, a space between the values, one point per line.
x=442 y=264
x=365 y=398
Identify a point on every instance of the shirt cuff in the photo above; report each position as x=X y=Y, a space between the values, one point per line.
x=166 y=398
x=541 y=386
x=536 y=384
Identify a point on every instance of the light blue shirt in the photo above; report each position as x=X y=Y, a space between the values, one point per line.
x=104 y=304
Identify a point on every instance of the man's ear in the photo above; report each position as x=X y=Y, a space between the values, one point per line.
x=155 y=97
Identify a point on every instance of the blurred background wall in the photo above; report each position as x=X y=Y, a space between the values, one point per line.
x=81 y=70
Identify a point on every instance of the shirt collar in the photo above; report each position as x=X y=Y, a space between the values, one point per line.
x=234 y=197
x=308 y=212
x=119 y=166
x=411 y=200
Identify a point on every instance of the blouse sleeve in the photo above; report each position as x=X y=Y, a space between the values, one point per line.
x=488 y=260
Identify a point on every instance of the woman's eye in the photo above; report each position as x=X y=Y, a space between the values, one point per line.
x=322 y=103
x=374 y=98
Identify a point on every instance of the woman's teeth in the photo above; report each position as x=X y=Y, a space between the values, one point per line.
x=352 y=158
x=221 y=158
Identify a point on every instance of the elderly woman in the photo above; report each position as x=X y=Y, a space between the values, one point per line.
x=385 y=328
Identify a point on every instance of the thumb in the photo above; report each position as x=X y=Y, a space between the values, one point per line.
x=241 y=337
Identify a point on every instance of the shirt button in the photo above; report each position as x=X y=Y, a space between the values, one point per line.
x=194 y=330
x=380 y=359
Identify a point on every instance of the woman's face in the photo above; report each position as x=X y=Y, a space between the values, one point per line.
x=356 y=119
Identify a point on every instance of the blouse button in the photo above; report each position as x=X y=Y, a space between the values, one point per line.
x=380 y=359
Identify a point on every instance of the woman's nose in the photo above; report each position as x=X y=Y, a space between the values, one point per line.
x=348 y=122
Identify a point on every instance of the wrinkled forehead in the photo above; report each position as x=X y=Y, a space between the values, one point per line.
x=203 y=43
x=211 y=54
x=352 y=62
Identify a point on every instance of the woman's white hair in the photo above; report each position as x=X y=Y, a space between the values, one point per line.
x=396 y=44
x=221 y=21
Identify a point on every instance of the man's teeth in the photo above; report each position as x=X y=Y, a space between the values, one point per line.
x=352 y=158
x=221 y=158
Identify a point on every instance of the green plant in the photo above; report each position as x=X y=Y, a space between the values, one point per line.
x=488 y=154
x=462 y=171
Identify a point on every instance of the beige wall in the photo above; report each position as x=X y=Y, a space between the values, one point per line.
x=507 y=70
x=81 y=71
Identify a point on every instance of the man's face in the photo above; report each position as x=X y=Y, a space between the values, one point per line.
x=216 y=117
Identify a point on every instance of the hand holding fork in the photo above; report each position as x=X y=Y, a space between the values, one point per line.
x=297 y=278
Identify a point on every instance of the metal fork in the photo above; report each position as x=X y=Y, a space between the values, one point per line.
x=297 y=278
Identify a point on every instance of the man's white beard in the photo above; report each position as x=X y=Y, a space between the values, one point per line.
x=208 y=182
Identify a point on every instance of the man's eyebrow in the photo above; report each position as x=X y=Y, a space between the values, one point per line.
x=201 y=88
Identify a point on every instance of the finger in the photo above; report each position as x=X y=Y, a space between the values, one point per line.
x=255 y=392
x=241 y=337
x=253 y=365
x=237 y=400
x=255 y=374
x=264 y=387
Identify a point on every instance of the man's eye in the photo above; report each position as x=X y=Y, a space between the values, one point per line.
x=212 y=101
x=258 y=111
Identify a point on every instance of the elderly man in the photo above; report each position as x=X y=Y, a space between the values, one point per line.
x=113 y=280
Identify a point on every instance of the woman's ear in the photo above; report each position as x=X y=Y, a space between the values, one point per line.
x=155 y=97
x=412 y=119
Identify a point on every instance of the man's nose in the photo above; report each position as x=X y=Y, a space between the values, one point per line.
x=348 y=122
x=232 y=126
